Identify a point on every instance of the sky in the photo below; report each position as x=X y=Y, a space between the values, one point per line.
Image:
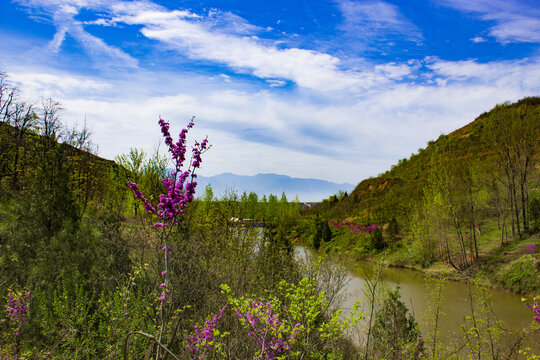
x=337 y=90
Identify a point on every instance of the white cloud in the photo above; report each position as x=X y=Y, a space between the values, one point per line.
x=478 y=39
x=51 y=84
x=343 y=138
x=276 y=83
x=516 y=21
x=196 y=39
x=523 y=74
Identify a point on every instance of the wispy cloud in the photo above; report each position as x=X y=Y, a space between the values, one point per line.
x=62 y=14
x=49 y=83
x=198 y=37
x=377 y=20
x=512 y=74
x=515 y=21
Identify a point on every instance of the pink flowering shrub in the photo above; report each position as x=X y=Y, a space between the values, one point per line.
x=353 y=227
x=17 y=309
x=205 y=338
x=179 y=192
x=535 y=307
x=179 y=189
x=531 y=248
x=271 y=335
x=295 y=323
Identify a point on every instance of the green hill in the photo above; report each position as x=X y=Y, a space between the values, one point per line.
x=466 y=197
x=31 y=162
x=405 y=181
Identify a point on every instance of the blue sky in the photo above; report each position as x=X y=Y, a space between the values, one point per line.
x=337 y=90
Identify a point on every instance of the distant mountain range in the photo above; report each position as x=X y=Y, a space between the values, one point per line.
x=307 y=190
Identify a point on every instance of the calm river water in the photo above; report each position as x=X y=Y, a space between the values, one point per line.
x=455 y=297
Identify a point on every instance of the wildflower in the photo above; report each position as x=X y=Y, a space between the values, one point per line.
x=17 y=308
x=536 y=309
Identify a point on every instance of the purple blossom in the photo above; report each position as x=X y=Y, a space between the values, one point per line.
x=536 y=309
x=17 y=308
x=266 y=330
x=353 y=227
x=201 y=343
x=531 y=248
x=180 y=187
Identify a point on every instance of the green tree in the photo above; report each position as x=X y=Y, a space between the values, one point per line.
x=318 y=234
x=326 y=232
x=512 y=131
x=393 y=229
x=272 y=210
x=252 y=205
x=395 y=332
x=263 y=204
x=377 y=239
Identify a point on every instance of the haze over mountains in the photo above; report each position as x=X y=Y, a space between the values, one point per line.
x=307 y=190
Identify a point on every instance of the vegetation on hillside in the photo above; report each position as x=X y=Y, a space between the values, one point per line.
x=470 y=200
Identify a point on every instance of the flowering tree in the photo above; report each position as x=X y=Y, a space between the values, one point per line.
x=179 y=192
x=531 y=248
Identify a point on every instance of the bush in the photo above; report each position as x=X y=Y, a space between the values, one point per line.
x=521 y=276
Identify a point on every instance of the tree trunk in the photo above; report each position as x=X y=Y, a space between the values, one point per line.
x=524 y=204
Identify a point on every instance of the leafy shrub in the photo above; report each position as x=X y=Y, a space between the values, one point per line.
x=520 y=276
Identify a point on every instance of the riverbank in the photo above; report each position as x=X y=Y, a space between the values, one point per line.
x=513 y=268
x=457 y=300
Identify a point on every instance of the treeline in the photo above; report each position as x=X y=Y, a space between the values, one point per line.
x=469 y=192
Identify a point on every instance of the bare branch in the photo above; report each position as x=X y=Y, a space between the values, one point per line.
x=150 y=336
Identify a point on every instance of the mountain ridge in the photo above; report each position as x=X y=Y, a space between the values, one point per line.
x=307 y=189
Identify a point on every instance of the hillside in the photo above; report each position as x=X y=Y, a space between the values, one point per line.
x=405 y=181
x=469 y=201
x=31 y=162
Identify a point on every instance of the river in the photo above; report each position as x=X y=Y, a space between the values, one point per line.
x=507 y=307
